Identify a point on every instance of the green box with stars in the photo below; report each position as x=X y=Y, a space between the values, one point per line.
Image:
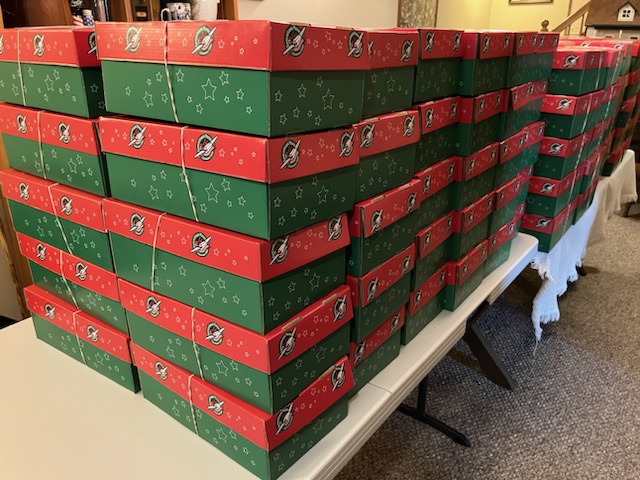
x=261 y=187
x=82 y=337
x=576 y=71
x=266 y=445
x=470 y=226
x=55 y=69
x=57 y=147
x=532 y=57
x=509 y=197
x=476 y=177
x=480 y=121
x=464 y=276
x=250 y=76
x=439 y=131
x=485 y=62
x=438 y=69
x=500 y=245
x=437 y=189
x=433 y=249
x=518 y=152
x=266 y=371
x=256 y=284
x=63 y=217
x=425 y=303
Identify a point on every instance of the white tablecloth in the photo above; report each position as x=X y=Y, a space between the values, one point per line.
x=558 y=267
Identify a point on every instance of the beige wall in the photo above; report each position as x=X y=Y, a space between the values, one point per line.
x=470 y=14
x=356 y=13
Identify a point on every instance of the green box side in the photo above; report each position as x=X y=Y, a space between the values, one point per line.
x=414 y=324
x=573 y=82
x=473 y=137
x=515 y=120
x=436 y=146
x=427 y=266
x=56 y=337
x=454 y=296
x=548 y=206
x=377 y=361
x=545 y=241
x=436 y=206
x=556 y=168
x=23 y=154
x=367 y=319
x=631 y=91
x=70 y=90
x=383 y=171
x=115 y=369
x=167 y=400
x=482 y=76
x=529 y=68
x=622 y=120
x=468 y=191
x=10 y=88
x=564 y=126
x=367 y=253
x=436 y=78
x=76 y=169
x=387 y=90
x=463 y=243
x=497 y=258
x=499 y=218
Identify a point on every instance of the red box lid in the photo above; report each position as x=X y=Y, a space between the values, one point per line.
x=548 y=42
x=526 y=93
x=74 y=133
x=249 y=257
x=549 y=187
x=436 y=177
x=536 y=132
x=437 y=114
x=370 y=286
x=363 y=349
x=577 y=58
x=428 y=290
x=371 y=216
x=630 y=47
x=479 y=162
x=509 y=191
x=9 y=43
x=525 y=43
x=433 y=235
x=514 y=145
x=479 y=108
x=486 y=44
x=458 y=272
x=506 y=233
x=21 y=122
x=471 y=216
x=567 y=105
x=561 y=147
x=70 y=46
x=392 y=47
x=440 y=43
x=546 y=225
x=627 y=105
x=387 y=132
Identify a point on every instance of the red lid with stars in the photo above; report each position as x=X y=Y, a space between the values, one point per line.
x=561 y=147
x=358 y=352
x=629 y=47
x=74 y=133
x=44 y=255
x=70 y=46
x=526 y=93
x=458 y=272
x=439 y=175
x=548 y=42
x=253 y=158
x=134 y=42
x=546 y=225
x=374 y=215
x=9 y=45
x=536 y=132
x=392 y=47
x=508 y=191
x=577 y=58
x=506 y=233
x=479 y=162
x=440 y=43
x=549 y=187
x=50 y=308
x=174 y=378
x=429 y=238
x=486 y=44
x=428 y=290
x=469 y=217
x=439 y=113
x=27 y=189
x=525 y=43
x=242 y=255
x=367 y=288
x=387 y=132
x=21 y=122
x=482 y=107
x=514 y=145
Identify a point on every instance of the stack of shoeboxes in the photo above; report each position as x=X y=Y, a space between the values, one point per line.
x=579 y=112
x=55 y=192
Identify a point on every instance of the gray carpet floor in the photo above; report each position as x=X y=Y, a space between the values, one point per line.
x=575 y=413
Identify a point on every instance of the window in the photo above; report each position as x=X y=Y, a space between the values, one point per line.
x=626 y=14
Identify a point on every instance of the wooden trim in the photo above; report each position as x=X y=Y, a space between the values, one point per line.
x=581 y=12
x=228 y=10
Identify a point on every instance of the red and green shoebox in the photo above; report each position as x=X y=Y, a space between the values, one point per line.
x=371 y=355
x=532 y=57
x=425 y=303
x=82 y=337
x=257 y=186
x=518 y=152
x=389 y=81
x=250 y=76
x=439 y=129
x=464 y=276
x=387 y=146
x=438 y=71
x=508 y=197
x=480 y=121
x=57 y=147
x=584 y=201
x=54 y=68
x=381 y=227
x=566 y=116
x=548 y=196
x=629 y=48
x=576 y=70
x=475 y=177
x=437 y=187
x=548 y=230
x=432 y=249
x=91 y=288
x=588 y=170
x=525 y=105
x=266 y=445
x=471 y=226
x=63 y=217
x=500 y=246
x=266 y=371
x=599 y=109
x=626 y=112
x=380 y=292
x=558 y=156
x=633 y=88
x=485 y=61
x=256 y=284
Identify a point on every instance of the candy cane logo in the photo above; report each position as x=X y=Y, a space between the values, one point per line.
x=492 y=156
x=367 y=135
x=564 y=104
x=355 y=44
x=394 y=323
x=137 y=224
x=498 y=100
x=372 y=289
x=470 y=218
x=465 y=269
x=38 y=45
x=63 y=132
x=41 y=252
x=449 y=223
x=346 y=144
x=483 y=252
x=571 y=61
x=451 y=171
x=547 y=188
x=515 y=97
x=541 y=41
x=287 y=343
x=93 y=44
x=203 y=40
x=428 y=118
x=49 y=312
x=429 y=41
x=161 y=370
x=555 y=148
x=521 y=142
x=153 y=306
x=481 y=107
x=520 y=41
x=338 y=377
x=376 y=221
x=136 y=136
x=543 y=223
x=426 y=184
x=486 y=44
x=417 y=299
x=1 y=44
x=408 y=126
x=512 y=227
x=501 y=196
x=530 y=90
x=284 y=419
x=454 y=110
x=505 y=149
x=21 y=122
x=200 y=244
x=294 y=40
x=506 y=43
x=340 y=308
x=335 y=228
x=92 y=333
x=215 y=333
x=457 y=41
x=81 y=271
x=66 y=205
x=411 y=202
x=406 y=263
x=494 y=240
x=370 y=49
x=518 y=185
x=24 y=191
x=426 y=241
x=472 y=166
x=133 y=37
x=443 y=276
x=290 y=154
x=407 y=51
x=205 y=147
x=279 y=250
x=360 y=351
